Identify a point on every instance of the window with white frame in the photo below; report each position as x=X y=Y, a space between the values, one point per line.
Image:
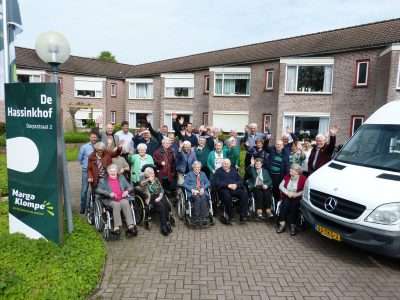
x=269 y=80
x=141 y=88
x=113 y=117
x=356 y=122
x=231 y=81
x=398 y=76
x=30 y=76
x=113 y=90
x=88 y=87
x=309 y=75
x=187 y=117
x=139 y=119
x=178 y=85
x=206 y=84
x=362 y=67
x=306 y=125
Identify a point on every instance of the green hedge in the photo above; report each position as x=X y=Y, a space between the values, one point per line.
x=76 y=137
x=37 y=269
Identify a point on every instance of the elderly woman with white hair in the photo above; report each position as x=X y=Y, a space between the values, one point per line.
x=291 y=188
x=155 y=197
x=196 y=184
x=138 y=161
x=98 y=162
x=114 y=191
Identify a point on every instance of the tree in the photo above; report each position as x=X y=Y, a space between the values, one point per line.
x=106 y=56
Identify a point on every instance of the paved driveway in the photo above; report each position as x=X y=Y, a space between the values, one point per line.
x=241 y=262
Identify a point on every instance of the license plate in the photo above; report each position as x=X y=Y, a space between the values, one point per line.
x=328 y=233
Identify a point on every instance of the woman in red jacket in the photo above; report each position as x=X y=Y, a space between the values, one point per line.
x=291 y=188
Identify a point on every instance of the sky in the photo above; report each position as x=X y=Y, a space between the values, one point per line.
x=140 y=31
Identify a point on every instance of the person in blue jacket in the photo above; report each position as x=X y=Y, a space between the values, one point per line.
x=196 y=185
x=185 y=157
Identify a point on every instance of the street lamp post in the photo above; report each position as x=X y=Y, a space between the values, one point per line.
x=53 y=48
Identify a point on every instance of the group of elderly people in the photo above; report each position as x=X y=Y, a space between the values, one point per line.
x=155 y=162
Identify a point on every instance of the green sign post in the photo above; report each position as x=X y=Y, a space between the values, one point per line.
x=33 y=160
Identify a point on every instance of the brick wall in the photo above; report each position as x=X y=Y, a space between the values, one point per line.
x=68 y=99
x=116 y=103
x=150 y=105
x=346 y=100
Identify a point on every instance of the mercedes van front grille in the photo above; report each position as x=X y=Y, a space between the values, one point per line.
x=336 y=206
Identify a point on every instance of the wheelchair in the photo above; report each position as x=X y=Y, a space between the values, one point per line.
x=90 y=203
x=252 y=204
x=143 y=211
x=301 y=223
x=103 y=218
x=219 y=206
x=184 y=207
x=148 y=209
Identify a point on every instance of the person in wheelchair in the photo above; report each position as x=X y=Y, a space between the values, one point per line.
x=260 y=183
x=114 y=191
x=291 y=188
x=155 y=197
x=196 y=184
x=229 y=184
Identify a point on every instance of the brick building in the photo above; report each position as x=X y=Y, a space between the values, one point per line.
x=305 y=83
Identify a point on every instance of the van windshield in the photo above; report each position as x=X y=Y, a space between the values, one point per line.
x=375 y=146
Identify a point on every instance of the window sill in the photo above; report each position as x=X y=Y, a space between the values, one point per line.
x=140 y=98
x=269 y=90
x=229 y=96
x=178 y=97
x=307 y=93
x=83 y=97
x=360 y=86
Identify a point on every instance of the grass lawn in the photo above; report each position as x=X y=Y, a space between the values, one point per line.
x=37 y=269
x=3 y=175
x=72 y=152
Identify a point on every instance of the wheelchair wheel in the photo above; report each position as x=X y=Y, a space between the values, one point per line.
x=107 y=234
x=180 y=196
x=90 y=206
x=98 y=217
x=139 y=208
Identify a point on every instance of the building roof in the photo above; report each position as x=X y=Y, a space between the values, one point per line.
x=27 y=58
x=369 y=35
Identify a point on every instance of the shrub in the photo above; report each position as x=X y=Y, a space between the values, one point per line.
x=76 y=137
x=2 y=128
x=37 y=269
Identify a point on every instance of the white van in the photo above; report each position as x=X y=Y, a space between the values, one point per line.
x=355 y=198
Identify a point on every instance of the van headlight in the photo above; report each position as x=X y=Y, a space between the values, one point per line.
x=386 y=214
x=306 y=192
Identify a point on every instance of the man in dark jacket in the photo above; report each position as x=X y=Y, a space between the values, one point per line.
x=145 y=138
x=278 y=166
x=322 y=151
x=229 y=184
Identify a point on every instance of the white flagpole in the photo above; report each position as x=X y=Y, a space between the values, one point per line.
x=5 y=41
